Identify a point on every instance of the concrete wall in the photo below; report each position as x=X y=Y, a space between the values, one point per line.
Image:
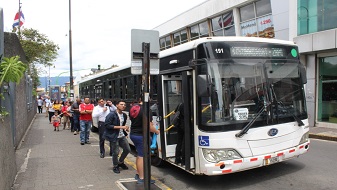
x=280 y=11
x=14 y=126
x=7 y=155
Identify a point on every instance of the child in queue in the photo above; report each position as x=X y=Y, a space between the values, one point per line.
x=56 y=120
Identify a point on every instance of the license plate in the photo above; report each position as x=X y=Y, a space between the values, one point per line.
x=271 y=160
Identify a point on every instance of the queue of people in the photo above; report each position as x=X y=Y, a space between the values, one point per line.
x=111 y=120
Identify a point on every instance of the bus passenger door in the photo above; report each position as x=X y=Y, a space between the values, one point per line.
x=172 y=96
x=178 y=89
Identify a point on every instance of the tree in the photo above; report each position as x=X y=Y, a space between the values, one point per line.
x=11 y=70
x=39 y=50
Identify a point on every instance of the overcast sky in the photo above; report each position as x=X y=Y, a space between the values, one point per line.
x=101 y=30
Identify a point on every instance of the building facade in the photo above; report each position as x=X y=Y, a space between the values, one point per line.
x=309 y=23
x=316 y=37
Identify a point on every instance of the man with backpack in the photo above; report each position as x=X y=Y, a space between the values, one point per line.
x=136 y=135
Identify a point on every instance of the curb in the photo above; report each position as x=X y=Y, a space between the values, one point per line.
x=323 y=137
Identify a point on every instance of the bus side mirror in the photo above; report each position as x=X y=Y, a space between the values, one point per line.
x=303 y=74
x=203 y=86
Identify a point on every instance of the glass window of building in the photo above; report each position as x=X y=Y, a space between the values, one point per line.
x=316 y=15
x=327 y=86
x=203 y=27
x=176 y=38
x=183 y=36
x=162 y=43
x=194 y=32
x=180 y=37
x=247 y=12
x=256 y=20
x=165 y=42
x=263 y=7
x=199 y=30
x=223 y=25
x=168 y=42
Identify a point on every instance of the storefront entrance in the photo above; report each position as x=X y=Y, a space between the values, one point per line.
x=327 y=90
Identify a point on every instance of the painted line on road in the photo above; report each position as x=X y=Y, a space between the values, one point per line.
x=131 y=163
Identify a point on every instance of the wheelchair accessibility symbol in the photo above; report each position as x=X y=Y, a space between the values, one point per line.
x=203 y=140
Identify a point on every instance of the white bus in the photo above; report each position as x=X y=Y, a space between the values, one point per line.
x=244 y=104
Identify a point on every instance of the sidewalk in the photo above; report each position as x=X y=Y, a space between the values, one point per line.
x=324 y=133
x=49 y=159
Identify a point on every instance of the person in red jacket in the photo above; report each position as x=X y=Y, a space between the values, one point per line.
x=85 y=120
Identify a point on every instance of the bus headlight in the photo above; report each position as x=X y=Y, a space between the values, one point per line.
x=216 y=155
x=305 y=138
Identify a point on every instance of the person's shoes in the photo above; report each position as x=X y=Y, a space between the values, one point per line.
x=75 y=133
x=87 y=142
x=82 y=143
x=123 y=166
x=141 y=181
x=54 y=129
x=116 y=170
x=102 y=155
x=137 y=177
x=58 y=129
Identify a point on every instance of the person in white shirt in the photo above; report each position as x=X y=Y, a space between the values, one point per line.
x=39 y=104
x=51 y=110
x=46 y=103
x=100 y=112
x=111 y=106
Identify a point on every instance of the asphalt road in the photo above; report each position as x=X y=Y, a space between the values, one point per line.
x=314 y=170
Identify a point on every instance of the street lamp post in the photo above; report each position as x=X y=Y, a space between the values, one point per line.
x=71 y=85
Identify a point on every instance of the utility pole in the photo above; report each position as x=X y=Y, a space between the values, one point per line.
x=19 y=18
x=146 y=115
x=140 y=64
x=49 y=81
x=71 y=85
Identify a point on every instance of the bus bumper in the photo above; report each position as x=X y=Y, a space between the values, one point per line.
x=231 y=166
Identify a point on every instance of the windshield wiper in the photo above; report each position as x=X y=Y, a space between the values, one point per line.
x=298 y=120
x=247 y=127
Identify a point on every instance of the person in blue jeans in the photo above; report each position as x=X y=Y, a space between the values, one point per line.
x=76 y=115
x=115 y=132
x=85 y=109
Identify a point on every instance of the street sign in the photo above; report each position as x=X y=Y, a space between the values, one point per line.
x=139 y=36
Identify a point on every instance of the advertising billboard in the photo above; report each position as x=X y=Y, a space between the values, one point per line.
x=55 y=92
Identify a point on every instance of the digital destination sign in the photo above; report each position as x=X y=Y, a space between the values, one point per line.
x=257 y=52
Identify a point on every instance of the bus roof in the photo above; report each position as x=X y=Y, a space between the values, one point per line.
x=103 y=73
x=193 y=44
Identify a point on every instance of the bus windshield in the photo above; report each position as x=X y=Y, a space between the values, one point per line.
x=241 y=88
